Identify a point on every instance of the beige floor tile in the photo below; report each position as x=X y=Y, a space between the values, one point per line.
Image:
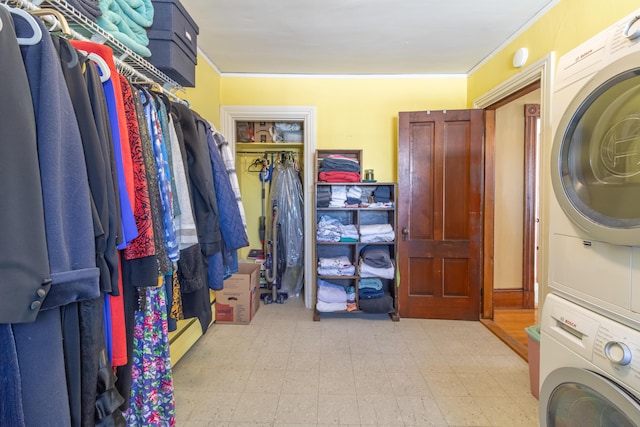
x=420 y=411
x=308 y=362
x=433 y=364
x=338 y=409
x=528 y=405
x=204 y=424
x=297 y=409
x=504 y=412
x=400 y=362
x=301 y=382
x=337 y=383
x=286 y=370
x=405 y=384
x=335 y=362
x=220 y=378
x=256 y=408
x=379 y=409
x=364 y=345
x=447 y=384
x=272 y=360
x=482 y=385
x=372 y=382
x=216 y=407
x=266 y=382
x=367 y=362
x=462 y=411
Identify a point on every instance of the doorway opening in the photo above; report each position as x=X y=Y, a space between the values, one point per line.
x=507 y=288
x=230 y=115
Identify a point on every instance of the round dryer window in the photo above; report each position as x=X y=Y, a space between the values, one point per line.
x=596 y=155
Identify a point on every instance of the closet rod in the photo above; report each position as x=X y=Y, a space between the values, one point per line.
x=130 y=62
x=269 y=152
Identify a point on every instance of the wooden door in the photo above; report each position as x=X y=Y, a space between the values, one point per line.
x=440 y=177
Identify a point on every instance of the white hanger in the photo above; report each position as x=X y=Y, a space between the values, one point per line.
x=35 y=27
x=105 y=71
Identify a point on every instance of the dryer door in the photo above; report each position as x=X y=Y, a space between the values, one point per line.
x=577 y=397
x=595 y=167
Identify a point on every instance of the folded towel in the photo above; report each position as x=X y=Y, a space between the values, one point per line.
x=330 y=292
x=382 y=237
x=337 y=271
x=383 y=304
x=368 y=271
x=370 y=282
x=337 y=176
x=126 y=21
x=369 y=293
x=338 y=262
x=328 y=307
x=354 y=191
x=376 y=256
x=382 y=194
x=375 y=229
x=345 y=165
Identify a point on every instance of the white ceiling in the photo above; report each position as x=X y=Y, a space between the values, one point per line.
x=357 y=36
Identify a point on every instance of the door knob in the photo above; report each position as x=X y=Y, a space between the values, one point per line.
x=405 y=233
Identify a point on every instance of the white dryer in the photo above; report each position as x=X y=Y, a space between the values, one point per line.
x=589 y=370
x=594 y=221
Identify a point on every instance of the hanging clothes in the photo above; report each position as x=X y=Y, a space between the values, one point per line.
x=152 y=402
x=69 y=237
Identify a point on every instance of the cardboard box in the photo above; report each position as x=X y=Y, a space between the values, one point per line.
x=240 y=298
x=262 y=131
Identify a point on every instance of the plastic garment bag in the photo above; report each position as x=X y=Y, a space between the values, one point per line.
x=286 y=190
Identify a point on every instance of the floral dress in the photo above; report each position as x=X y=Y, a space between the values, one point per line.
x=151 y=403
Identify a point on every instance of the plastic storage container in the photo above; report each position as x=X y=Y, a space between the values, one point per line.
x=533 y=346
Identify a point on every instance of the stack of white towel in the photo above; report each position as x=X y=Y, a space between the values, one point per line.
x=336 y=266
x=338 y=196
x=377 y=233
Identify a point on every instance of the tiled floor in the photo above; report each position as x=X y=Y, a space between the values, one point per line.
x=287 y=370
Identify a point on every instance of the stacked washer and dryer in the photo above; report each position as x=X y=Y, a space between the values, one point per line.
x=590 y=322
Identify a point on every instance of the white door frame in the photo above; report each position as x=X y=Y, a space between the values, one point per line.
x=543 y=70
x=230 y=114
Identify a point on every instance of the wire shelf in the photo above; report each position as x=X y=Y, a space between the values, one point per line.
x=82 y=28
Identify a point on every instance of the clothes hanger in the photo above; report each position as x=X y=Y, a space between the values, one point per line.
x=35 y=27
x=60 y=20
x=105 y=71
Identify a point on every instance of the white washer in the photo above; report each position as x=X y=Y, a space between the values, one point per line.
x=589 y=369
x=594 y=222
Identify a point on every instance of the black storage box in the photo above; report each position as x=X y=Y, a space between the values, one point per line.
x=173 y=41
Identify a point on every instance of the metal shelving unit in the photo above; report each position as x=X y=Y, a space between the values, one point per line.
x=82 y=28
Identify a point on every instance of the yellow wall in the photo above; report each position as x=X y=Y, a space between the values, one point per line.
x=352 y=113
x=204 y=98
x=361 y=113
x=564 y=27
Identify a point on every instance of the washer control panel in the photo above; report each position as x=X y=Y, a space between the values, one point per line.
x=616 y=350
x=608 y=345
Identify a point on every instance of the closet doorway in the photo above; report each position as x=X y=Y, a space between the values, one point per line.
x=230 y=116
